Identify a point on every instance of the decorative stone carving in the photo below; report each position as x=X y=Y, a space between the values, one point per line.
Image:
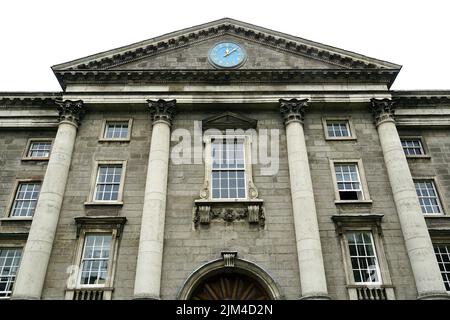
x=162 y=110
x=293 y=110
x=382 y=109
x=69 y=110
x=229 y=258
x=204 y=212
x=204 y=192
x=252 y=190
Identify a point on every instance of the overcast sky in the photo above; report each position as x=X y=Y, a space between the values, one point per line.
x=36 y=34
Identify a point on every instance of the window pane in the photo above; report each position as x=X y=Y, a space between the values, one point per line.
x=347 y=178
x=362 y=255
x=338 y=128
x=94 y=263
x=9 y=264
x=428 y=198
x=26 y=199
x=412 y=146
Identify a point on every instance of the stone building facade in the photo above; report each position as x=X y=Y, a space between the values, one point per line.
x=327 y=185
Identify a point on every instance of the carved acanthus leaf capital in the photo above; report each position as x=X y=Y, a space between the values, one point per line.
x=69 y=110
x=382 y=109
x=293 y=110
x=162 y=110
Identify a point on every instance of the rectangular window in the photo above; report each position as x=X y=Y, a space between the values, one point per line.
x=39 y=149
x=228 y=168
x=338 y=128
x=412 y=147
x=363 y=257
x=25 y=199
x=428 y=197
x=9 y=264
x=95 y=259
x=348 y=181
x=107 y=185
x=442 y=252
x=116 y=130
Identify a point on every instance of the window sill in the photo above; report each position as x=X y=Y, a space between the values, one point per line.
x=23 y=222
x=340 y=139
x=114 y=140
x=424 y=156
x=363 y=202
x=105 y=203
x=218 y=201
x=36 y=159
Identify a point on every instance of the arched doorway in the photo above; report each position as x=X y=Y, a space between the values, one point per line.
x=243 y=281
x=229 y=286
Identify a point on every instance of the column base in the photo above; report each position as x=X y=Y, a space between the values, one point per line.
x=434 y=296
x=315 y=296
x=146 y=297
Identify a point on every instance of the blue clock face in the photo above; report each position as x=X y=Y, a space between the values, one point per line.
x=227 y=55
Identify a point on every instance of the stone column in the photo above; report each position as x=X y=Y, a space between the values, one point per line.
x=420 y=250
x=36 y=254
x=309 y=250
x=149 y=263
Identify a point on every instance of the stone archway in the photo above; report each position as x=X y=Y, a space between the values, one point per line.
x=243 y=281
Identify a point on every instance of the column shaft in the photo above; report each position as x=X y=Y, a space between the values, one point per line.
x=36 y=255
x=417 y=239
x=150 y=255
x=309 y=249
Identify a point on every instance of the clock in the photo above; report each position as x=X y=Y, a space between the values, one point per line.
x=227 y=55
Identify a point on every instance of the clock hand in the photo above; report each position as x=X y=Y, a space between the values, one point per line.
x=230 y=52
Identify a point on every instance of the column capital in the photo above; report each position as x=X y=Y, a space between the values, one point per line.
x=293 y=110
x=72 y=111
x=382 y=109
x=162 y=110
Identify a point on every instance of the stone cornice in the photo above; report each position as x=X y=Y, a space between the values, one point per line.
x=266 y=37
x=29 y=98
x=228 y=76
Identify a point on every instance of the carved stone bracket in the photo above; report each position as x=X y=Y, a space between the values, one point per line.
x=382 y=109
x=293 y=110
x=69 y=110
x=229 y=258
x=162 y=110
x=204 y=212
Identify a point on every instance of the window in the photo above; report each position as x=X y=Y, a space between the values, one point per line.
x=9 y=264
x=348 y=181
x=37 y=149
x=228 y=168
x=363 y=257
x=338 y=129
x=412 y=146
x=95 y=259
x=442 y=252
x=107 y=183
x=428 y=197
x=119 y=129
x=25 y=199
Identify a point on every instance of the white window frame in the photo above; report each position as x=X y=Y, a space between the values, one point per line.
x=425 y=154
x=13 y=195
x=442 y=243
x=350 y=128
x=25 y=155
x=247 y=167
x=365 y=196
x=12 y=246
x=94 y=175
x=439 y=197
x=105 y=122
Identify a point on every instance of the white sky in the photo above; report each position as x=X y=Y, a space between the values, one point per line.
x=36 y=34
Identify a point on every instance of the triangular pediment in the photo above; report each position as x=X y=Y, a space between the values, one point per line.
x=188 y=49
x=229 y=120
